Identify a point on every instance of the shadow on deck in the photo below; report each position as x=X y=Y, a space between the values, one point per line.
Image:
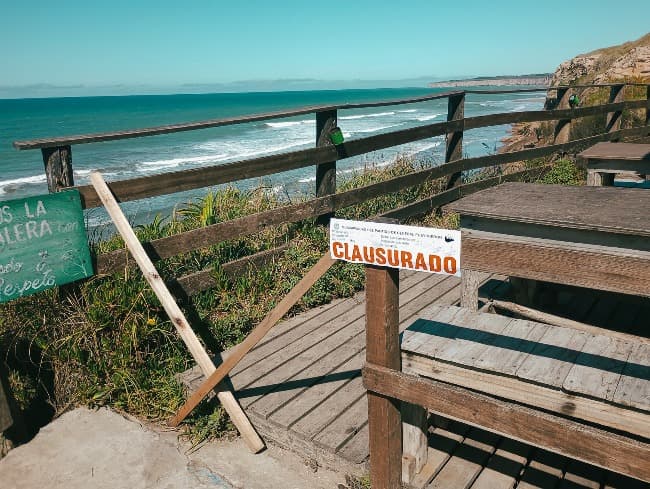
x=301 y=387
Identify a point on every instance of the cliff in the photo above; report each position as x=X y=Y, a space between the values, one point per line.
x=625 y=62
x=538 y=80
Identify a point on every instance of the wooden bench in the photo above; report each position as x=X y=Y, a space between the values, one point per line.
x=605 y=160
x=582 y=395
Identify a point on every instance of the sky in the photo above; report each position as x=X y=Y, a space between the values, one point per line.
x=141 y=46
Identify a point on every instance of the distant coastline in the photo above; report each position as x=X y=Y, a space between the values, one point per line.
x=542 y=79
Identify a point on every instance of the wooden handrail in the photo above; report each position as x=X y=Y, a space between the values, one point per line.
x=191 y=126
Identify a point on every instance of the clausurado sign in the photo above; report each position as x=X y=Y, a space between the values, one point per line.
x=43 y=243
x=394 y=245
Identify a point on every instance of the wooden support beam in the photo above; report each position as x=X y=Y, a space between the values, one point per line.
x=325 y=172
x=469 y=284
x=454 y=140
x=613 y=119
x=563 y=126
x=544 y=317
x=323 y=265
x=382 y=348
x=228 y=401
x=577 y=440
x=58 y=167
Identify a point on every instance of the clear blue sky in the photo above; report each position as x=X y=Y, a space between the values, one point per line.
x=139 y=45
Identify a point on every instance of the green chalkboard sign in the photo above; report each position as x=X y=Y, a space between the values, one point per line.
x=42 y=244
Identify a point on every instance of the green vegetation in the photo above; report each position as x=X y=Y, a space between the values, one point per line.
x=109 y=342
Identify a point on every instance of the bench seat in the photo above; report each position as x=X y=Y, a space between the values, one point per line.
x=597 y=379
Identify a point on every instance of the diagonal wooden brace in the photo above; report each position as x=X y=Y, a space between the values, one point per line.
x=255 y=336
x=228 y=401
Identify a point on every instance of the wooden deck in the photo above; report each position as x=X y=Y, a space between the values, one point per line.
x=301 y=387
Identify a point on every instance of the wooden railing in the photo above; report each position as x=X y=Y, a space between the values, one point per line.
x=57 y=158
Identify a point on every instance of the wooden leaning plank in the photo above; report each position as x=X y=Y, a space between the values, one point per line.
x=237 y=415
x=255 y=336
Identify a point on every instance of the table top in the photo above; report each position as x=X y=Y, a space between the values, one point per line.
x=617 y=151
x=605 y=209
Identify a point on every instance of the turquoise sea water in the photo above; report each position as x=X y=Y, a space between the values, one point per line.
x=21 y=119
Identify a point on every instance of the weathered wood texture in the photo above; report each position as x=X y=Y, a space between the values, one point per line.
x=559 y=369
x=58 y=167
x=204 y=237
x=617 y=151
x=325 y=172
x=550 y=233
x=382 y=348
x=454 y=139
x=597 y=209
x=613 y=119
x=576 y=440
x=301 y=388
x=191 y=126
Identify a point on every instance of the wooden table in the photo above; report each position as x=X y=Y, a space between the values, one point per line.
x=594 y=237
x=605 y=160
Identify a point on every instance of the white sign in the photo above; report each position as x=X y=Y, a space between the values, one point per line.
x=394 y=245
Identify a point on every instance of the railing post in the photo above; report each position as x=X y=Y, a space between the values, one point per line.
x=383 y=348
x=613 y=120
x=58 y=167
x=647 y=110
x=325 y=172
x=454 y=141
x=563 y=126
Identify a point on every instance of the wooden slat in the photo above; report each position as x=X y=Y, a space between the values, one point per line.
x=551 y=359
x=462 y=469
x=634 y=386
x=569 y=438
x=603 y=209
x=544 y=470
x=597 y=370
x=166 y=183
x=539 y=396
x=546 y=115
x=617 y=151
x=617 y=273
x=504 y=467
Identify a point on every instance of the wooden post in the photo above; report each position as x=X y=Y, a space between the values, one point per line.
x=325 y=172
x=415 y=440
x=613 y=120
x=58 y=167
x=647 y=110
x=382 y=348
x=469 y=283
x=185 y=331
x=454 y=141
x=563 y=126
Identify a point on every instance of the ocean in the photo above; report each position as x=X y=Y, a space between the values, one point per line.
x=22 y=119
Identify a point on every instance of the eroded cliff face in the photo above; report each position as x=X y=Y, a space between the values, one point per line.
x=626 y=62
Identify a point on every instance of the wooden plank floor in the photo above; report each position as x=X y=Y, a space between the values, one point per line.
x=301 y=387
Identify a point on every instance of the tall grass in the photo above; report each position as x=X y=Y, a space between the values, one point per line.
x=108 y=341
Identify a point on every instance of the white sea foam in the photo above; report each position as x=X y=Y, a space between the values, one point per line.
x=20 y=182
x=429 y=117
x=307 y=179
x=174 y=162
x=408 y=111
x=282 y=125
x=375 y=129
x=363 y=116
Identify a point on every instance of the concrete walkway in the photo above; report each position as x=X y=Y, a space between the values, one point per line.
x=102 y=449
